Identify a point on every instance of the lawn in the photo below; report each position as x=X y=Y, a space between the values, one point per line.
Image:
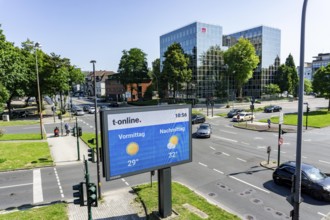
x=317 y=119
x=22 y=155
x=18 y=122
x=53 y=212
x=7 y=137
x=88 y=136
x=180 y=195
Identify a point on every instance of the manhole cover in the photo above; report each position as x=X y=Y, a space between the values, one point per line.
x=256 y=201
x=268 y=209
x=249 y=217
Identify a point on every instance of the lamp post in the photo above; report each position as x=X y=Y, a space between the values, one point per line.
x=96 y=134
x=157 y=88
x=226 y=69
x=36 y=46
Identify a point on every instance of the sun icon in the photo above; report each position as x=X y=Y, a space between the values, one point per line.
x=132 y=148
x=174 y=140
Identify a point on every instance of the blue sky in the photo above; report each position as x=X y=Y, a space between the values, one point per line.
x=84 y=30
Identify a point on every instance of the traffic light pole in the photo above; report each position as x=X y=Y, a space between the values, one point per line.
x=279 y=144
x=77 y=134
x=89 y=207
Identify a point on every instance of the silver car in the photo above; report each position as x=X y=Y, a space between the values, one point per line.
x=79 y=112
x=204 y=130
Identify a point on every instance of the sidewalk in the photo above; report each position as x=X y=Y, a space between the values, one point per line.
x=119 y=204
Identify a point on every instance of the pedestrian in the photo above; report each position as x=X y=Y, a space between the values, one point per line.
x=67 y=128
x=268 y=121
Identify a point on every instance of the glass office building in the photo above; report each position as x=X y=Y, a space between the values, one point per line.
x=196 y=39
x=267 y=43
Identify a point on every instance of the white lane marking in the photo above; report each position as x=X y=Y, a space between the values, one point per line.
x=212 y=148
x=242 y=181
x=286 y=143
x=324 y=215
x=202 y=164
x=322 y=161
x=218 y=171
x=127 y=184
x=24 y=184
x=245 y=143
x=58 y=182
x=304 y=157
x=37 y=187
x=226 y=139
x=229 y=132
x=258 y=138
x=308 y=140
x=261 y=147
x=240 y=159
x=225 y=154
x=91 y=126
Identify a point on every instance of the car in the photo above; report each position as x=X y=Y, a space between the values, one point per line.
x=79 y=112
x=313 y=181
x=86 y=108
x=272 y=108
x=114 y=104
x=243 y=116
x=204 y=130
x=234 y=112
x=197 y=119
x=91 y=110
x=104 y=107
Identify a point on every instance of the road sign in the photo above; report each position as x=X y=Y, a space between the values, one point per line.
x=280 y=141
x=281 y=118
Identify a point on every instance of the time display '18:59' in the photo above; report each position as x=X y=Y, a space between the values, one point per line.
x=181 y=115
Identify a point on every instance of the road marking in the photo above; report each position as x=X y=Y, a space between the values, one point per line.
x=127 y=184
x=304 y=157
x=218 y=171
x=324 y=215
x=322 y=161
x=286 y=143
x=58 y=183
x=226 y=139
x=261 y=147
x=242 y=181
x=212 y=148
x=229 y=132
x=37 y=187
x=202 y=164
x=308 y=140
x=245 y=143
x=24 y=184
x=240 y=159
x=225 y=154
x=258 y=138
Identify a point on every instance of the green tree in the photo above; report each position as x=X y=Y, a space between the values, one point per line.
x=287 y=77
x=176 y=67
x=272 y=89
x=4 y=95
x=155 y=75
x=321 y=82
x=241 y=60
x=133 y=68
x=308 y=88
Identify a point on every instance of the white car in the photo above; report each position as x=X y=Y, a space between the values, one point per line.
x=91 y=110
x=243 y=116
x=79 y=112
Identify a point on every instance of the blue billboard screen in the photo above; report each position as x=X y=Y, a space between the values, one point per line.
x=149 y=139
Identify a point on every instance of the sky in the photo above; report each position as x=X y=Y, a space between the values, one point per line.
x=85 y=30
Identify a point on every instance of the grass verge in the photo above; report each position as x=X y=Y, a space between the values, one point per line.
x=14 y=137
x=180 y=196
x=18 y=122
x=54 y=212
x=316 y=119
x=23 y=155
x=88 y=136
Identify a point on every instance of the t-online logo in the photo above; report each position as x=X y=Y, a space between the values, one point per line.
x=127 y=120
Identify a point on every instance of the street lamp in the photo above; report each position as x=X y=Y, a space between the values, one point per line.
x=96 y=134
x=226 y=69
x=36 y=46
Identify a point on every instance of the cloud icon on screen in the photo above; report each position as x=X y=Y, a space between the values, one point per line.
x=174 y=140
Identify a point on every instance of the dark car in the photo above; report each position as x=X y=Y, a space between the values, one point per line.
x=272 y=108
x=234 y=112
x=204 y=130
x=86 y=108
x=197 y=119
x=114 y=104
x=313 y=181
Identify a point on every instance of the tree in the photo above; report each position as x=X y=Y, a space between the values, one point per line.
x=308 y=88
x=241 y=60
x=4 y=95
x=321 y=82
x=176 y=67
x=272 y=89
x=133 y=69
x=156 y=75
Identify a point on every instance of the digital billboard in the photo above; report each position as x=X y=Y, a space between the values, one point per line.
x=137 y=140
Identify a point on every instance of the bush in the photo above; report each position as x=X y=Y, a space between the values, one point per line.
x=2 y=132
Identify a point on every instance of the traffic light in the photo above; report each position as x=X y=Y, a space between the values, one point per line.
x=79 y=131
x=308 y=109
x=78 y=194
x=91 y=141
x=60 y=116
x=91 y=154
x=283 y=132
x=73 y=130
x=91 y=195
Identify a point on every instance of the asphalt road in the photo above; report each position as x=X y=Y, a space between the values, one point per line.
x=225 y=170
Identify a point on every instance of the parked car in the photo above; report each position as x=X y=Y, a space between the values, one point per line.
x=114 y=104
x=197 y=119
x=272 y=108
x=234 y=112
x=86 y=108
x=79 y=112
x=313 y=181
x=243 y=116
x=204 y=130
